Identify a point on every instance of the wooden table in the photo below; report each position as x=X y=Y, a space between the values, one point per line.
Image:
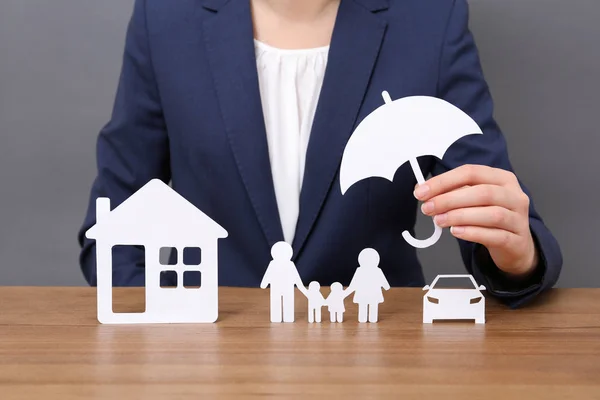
x=51 y=347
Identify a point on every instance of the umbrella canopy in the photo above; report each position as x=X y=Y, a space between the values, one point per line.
x=400 y=131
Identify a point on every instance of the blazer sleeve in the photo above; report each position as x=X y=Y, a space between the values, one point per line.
x=131 y=150
x=461 y=82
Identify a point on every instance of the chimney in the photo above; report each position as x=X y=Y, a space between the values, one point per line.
x=102 y=208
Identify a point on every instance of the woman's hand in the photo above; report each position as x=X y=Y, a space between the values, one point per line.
x=484 y=205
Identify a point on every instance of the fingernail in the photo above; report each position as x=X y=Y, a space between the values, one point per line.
x=428 y=207
x=457 y=230
x=421 y=191
x=440 y=219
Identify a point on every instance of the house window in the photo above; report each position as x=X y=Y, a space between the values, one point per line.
x=192 y=256
x=168 y=279
x=176 y=275
x=168 y=256
x=192 y=279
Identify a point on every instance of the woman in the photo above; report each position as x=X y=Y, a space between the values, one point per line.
x=366 y=284
x=246 y=106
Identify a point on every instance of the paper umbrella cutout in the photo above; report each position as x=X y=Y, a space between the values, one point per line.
x=452 y=304
x=155 y=217
x=400 y=131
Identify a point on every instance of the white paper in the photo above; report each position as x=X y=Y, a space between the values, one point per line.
x=453 y=304
x=154 y=217
x=281 y=275
x=367 y=284
x=400 y=131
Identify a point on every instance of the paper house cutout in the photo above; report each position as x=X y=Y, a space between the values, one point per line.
x=454 y=304
x=155 y=217
x=400 y=131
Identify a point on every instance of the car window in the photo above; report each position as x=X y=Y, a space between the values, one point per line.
x=454 y=283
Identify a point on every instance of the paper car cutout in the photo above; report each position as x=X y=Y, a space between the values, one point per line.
x=453 y=304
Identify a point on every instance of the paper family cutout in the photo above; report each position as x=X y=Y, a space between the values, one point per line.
x=400 y=131
x=282 y=277
x=156 y=217
x=453 y=304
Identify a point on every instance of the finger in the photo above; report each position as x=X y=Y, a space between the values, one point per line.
x=464 y=175
x=475 y=196
x=489 y=217
x=489 y=237
x=462 y=187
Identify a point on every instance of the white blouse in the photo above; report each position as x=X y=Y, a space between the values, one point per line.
x=290 y=83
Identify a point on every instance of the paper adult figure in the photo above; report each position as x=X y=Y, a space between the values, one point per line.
x=315 y=302
x=335 y=302
x=400 y=131
x=282 y=276
x=367 y=282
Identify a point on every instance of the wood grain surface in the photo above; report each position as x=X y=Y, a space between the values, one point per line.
x=52 y=347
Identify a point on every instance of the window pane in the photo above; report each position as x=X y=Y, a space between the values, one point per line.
x=192 y=279
x=168 y=279
x=192 y=256
x=454 y=283
x=168 y=256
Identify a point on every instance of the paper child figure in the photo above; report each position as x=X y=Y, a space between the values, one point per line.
x=315 y=302
x=282 y=275
x=366 y=284
x=335 y=302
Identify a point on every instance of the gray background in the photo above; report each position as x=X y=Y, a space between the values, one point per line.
x=59 y=64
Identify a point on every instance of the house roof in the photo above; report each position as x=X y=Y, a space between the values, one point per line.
x=156 y=212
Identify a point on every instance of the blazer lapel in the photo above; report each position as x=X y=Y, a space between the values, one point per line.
x=355 y=45
x=228 y=36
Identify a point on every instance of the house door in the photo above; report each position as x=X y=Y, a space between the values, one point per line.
x=130 y=300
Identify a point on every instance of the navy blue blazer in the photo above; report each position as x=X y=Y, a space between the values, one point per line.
x=188 y=110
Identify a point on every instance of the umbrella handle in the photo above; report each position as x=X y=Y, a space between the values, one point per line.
x=437 y=233
x=422 y=244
